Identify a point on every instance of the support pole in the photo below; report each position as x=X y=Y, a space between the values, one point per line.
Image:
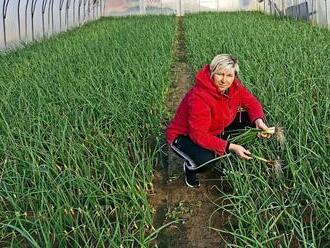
x=33 y=8
x=142 y=7
x=326 y=13
x=4 y=16
x=179 y=8
x=44 y=4
x=67 y=7
x=19 y=20
x=26 y=8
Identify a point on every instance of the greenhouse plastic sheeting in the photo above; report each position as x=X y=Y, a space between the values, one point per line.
x=128 y=7
x=316 y=11
x=136 y=7
x=26 y=20
x=218 y=5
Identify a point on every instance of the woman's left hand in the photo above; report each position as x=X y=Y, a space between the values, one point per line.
x=261 y=125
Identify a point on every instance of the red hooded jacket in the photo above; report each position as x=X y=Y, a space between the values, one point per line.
x=205 y=112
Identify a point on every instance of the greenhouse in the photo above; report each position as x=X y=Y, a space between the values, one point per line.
x=90 y=88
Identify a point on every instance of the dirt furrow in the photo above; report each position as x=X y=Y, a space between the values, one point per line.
x=192 y=210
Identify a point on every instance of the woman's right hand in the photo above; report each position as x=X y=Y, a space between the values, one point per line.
x=240 y=151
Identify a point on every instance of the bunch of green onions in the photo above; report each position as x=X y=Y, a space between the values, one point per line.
x=247 y=136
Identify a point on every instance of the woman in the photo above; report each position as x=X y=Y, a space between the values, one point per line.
x=209 y=112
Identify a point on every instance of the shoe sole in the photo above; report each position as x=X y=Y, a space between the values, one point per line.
x=185 y=178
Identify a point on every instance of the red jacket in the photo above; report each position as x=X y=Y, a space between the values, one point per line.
x=205 y=112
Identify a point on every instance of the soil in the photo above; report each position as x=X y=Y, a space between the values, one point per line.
x=193 y=210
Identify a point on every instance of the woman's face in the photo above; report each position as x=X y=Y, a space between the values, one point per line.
x=224 y=78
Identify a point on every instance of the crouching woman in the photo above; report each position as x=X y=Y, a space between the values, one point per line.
x=208 y=113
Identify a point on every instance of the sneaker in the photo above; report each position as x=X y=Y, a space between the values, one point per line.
x=191 y=178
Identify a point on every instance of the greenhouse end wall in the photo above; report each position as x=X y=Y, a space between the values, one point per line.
x=178 y=7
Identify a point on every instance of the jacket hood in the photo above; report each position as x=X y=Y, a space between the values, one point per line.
x=204 y=81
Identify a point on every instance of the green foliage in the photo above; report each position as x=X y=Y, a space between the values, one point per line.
x=79 y=114
x=285 y=63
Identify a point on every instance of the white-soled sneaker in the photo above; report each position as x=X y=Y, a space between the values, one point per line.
x=190 y=177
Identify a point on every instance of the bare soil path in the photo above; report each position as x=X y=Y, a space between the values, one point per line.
x=171 y=199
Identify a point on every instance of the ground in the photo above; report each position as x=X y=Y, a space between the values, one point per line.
x=194 y=210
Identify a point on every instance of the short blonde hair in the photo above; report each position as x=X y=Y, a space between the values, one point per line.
x=224 y=61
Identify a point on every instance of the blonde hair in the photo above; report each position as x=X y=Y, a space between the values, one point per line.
x=224 y=61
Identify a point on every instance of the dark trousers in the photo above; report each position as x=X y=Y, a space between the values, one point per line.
x=196 y=155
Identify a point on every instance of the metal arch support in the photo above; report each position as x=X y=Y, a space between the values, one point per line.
x=60 y=13
x=79 y=6
x=97 y=4
x=101 y=14
x=50 y=14
x=326 y=12
x=100 y=5
x=94 y=1
x=68 y=2
x=33 y=8
x=92 y=8
x=74 y=11
x=53 y=24
x=85 y=1
x=312 y=11
x=298 y=10
x=103 y=8
x=4 y=15
x=98 y=9
x=95 y=7
x=49 y=4
x=44 y=4
x=89 y=9
x=19 y=20
x=26 y=8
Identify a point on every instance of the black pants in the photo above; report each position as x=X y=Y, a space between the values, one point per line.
x=196 y=155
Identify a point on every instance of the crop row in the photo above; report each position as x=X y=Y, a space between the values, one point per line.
x=79 y=114
x=285 y=63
